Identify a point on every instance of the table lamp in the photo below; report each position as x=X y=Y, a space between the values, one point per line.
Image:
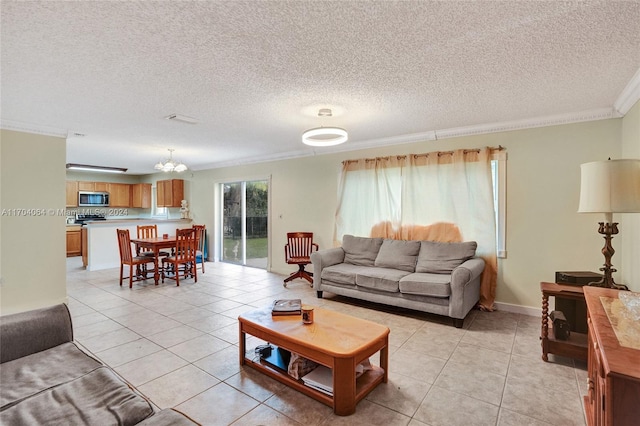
x=608 y=187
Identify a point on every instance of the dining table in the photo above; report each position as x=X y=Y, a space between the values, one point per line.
x=155 y=244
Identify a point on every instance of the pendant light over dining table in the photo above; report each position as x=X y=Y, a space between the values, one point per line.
x=170 y=165
x=325 y=136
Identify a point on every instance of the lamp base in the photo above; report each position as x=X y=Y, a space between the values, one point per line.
x=608 y=284
x=607 y=230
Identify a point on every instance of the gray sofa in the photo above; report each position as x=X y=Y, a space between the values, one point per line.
x=428 y=276
x=47 y=380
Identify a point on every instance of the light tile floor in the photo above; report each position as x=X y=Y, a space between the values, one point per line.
x=179 y=347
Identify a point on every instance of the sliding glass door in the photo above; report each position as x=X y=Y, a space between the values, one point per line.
x=244 y=223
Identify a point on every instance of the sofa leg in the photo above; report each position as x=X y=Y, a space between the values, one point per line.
x=319 y=294
x=458 y=322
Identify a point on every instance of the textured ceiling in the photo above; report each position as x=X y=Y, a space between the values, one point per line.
x=255 y=73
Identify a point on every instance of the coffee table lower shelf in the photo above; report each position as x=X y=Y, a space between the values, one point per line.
x=364 y=384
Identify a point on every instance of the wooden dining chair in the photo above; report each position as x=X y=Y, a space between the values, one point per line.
x=184 y=254
x=127 y=258
x=298 y=251
x=200 y=242
x=149 y=231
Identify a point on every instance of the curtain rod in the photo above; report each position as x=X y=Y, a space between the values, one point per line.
x=440 y=153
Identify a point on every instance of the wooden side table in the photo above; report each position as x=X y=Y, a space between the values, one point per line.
x=576 y=345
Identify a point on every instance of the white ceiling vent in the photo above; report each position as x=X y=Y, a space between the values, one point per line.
x=183 y=118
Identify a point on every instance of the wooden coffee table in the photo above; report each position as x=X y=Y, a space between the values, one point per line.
x=335 y=340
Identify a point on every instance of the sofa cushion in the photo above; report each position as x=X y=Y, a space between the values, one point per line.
x=442 y=258
x=381 y=279
x=360 y=250
x=398 y=254
x=422 y=284
x=41 y=371
x=342 y=273
x=97 y=398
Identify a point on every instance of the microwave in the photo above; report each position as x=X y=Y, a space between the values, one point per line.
x=93 y=199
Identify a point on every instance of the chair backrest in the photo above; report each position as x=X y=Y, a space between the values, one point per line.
x=124 y=244
x=147 y=231
x=185 y=245
x=200 y=237
x=299 y=244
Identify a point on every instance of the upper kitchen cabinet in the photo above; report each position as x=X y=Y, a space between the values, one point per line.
x=141 y=195
x=170 y=192
x=119 y=194
x=93 y=186
x=72 y=193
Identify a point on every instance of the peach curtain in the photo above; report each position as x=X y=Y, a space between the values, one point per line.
x=439 y=196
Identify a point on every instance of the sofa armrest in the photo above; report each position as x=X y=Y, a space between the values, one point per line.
x=467 y=272
x=323 y=258
x=26 y=333
x=465 y=287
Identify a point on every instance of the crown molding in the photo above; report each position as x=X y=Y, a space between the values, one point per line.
x=629 y=95
x=434 y=135
x=33 y=128
x=254 y=160
x=529 y=123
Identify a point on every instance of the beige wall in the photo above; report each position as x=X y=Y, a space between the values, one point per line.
x=33 y=248
x=544 y=231
x=629 y=242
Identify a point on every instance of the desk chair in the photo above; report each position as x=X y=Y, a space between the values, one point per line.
x=298 y=251
x=184 y=254
x=200 y=242
x=127 y=258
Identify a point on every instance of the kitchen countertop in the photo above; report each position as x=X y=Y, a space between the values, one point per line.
x=102 y=244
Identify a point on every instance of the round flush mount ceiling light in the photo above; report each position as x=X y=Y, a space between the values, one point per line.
x=325 y=136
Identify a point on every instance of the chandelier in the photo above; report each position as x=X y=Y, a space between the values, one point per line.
x=170 y=165
x=325 y=136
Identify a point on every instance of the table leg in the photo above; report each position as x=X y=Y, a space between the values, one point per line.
x=344 y=386
x=156 y=255
x=242 y=343
x=545 y=327
x=384 y=360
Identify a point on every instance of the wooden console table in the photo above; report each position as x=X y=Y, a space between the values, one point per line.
x=613 y=397
x=576 y=345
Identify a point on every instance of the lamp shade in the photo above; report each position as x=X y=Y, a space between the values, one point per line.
x=611 y=186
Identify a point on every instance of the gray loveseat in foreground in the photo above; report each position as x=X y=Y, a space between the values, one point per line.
x=428 y=276
x=45 y=379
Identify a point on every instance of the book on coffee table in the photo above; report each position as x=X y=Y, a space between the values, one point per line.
x=287 y=307
x=321 y=378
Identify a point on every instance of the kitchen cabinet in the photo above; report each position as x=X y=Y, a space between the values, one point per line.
x=72 y=193
x=93 y=186
x=119 y=194
x=170 y=192
x=86 y=186
x=141 y=195
x=74 y=241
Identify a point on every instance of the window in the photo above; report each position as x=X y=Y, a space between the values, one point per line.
x=160 y=212
x=499 y=175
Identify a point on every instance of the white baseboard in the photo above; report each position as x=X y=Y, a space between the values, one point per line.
x=518 y=309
